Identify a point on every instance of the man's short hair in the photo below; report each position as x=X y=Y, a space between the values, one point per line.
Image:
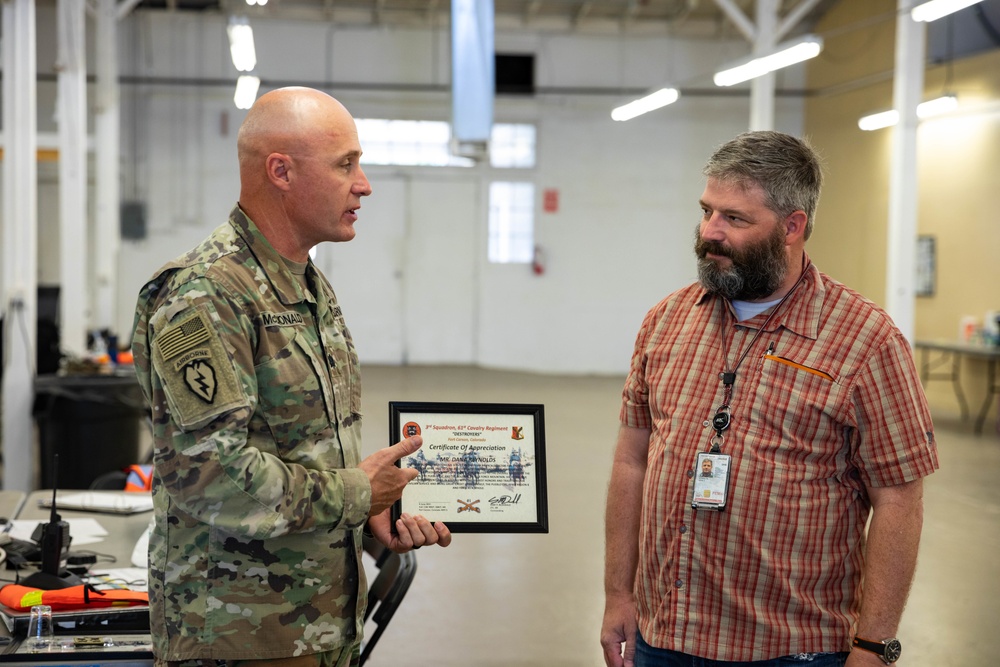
x=785 y=167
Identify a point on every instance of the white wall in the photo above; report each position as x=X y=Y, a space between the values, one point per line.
x=628 y=192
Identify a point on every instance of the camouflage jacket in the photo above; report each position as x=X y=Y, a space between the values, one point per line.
x=255 y=395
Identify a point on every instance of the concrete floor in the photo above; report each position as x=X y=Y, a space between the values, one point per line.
x=523 y=600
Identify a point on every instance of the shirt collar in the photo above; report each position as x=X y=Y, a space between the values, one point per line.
x=285 y=286
x=800 y=313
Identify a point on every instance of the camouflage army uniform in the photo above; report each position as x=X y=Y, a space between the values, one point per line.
x=255 y=395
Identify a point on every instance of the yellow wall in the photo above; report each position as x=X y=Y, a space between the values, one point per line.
x=958 y=173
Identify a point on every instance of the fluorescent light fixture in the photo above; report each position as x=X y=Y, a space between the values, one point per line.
x=246 y=91
x=256 y=2
x=935 y=9
x=935 y=107
x=655 y=100
x=241 y=44
x=785 y=54
x=877 y=121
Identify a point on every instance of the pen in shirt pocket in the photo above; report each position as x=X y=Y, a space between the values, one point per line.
x=768 y=353
x=788 y=362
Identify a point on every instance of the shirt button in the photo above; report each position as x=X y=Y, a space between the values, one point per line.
x=684 y=529
x=678 y=584
x=706 y=423
x=690 y=474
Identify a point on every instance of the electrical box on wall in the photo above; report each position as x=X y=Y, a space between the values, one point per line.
x=133 y=220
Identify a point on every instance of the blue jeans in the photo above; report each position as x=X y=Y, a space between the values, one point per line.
x=648 y=656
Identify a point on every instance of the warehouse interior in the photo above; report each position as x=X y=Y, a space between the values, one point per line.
x=613 y=206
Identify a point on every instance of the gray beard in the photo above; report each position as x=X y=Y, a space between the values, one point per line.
x=756 y=272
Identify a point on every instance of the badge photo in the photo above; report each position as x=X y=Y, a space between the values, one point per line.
x=711 y=481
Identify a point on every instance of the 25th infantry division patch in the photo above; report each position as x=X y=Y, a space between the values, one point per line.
x=198 y=378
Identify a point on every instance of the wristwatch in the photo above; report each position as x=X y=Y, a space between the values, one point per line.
x=887 y=649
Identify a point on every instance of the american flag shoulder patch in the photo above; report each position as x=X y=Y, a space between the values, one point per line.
x=182 y=336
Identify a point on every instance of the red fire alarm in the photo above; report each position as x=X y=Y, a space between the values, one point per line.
x=550 y=200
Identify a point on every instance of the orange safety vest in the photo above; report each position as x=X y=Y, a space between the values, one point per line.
x=140 y=478
x=23 y=598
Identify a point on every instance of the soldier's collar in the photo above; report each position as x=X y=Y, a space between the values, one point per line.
x=283 y=282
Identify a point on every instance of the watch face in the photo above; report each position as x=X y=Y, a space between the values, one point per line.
x=892 y=650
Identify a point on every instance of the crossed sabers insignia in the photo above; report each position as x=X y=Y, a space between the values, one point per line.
x=467 y=506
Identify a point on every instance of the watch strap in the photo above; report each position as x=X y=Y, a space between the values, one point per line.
x=879 y=648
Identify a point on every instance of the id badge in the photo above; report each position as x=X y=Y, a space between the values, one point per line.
x=711 y=481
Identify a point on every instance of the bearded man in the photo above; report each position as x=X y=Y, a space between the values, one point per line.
x=803 y=397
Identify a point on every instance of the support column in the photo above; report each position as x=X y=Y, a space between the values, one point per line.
x=762 y=88
x=72 y=105
x=106 y=131
x=907 y=93
x=20 y=242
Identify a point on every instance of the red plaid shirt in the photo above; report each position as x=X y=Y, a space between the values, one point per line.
x=835 y=408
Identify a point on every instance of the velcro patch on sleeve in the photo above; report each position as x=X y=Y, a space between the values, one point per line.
x=198 y=377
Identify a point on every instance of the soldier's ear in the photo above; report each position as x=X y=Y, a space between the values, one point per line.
x=279 y=170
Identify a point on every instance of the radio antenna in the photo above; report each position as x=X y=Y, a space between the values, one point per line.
x=53 y=517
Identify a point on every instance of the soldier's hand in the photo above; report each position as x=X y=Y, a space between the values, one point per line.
x=386 y=479
x=409 y=532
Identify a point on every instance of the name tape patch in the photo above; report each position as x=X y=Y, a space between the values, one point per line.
x=286 y=319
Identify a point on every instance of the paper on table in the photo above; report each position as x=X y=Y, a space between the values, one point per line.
x=109 y=501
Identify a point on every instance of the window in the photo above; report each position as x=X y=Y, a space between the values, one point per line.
x=407 y=142
x=426 y=143
x=511 y=223
x=512 y=146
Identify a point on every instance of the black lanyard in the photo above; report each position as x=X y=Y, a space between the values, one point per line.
x=722 y=418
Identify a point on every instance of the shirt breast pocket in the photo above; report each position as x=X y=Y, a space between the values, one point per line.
x=291 y=394
x=795 y=407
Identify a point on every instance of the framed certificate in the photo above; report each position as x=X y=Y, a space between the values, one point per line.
x=481 y=467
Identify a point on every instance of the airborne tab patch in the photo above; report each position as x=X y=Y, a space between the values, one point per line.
x=287 y=319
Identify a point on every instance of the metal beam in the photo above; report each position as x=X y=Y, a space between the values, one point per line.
x=125 y=8
x=738 y=18
x=793 y=17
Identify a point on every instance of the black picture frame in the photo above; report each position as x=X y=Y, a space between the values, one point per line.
x=482 y=465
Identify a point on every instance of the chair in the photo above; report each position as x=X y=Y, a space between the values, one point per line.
x=396 y=572
x=110 y=481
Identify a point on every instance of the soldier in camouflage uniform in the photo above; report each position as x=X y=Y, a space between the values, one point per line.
x=242 y=352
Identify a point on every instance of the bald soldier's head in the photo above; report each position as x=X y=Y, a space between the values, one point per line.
x=300 y=178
